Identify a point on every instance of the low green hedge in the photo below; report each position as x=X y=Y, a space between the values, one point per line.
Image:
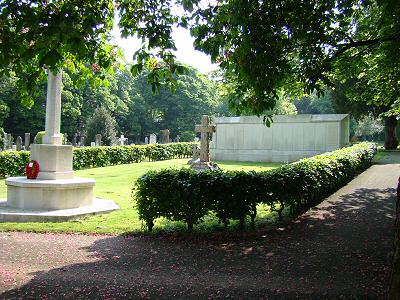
x=93 y=157
x=12 y=163
x=186 y=195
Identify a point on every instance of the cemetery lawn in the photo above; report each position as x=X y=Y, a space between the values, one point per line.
x=116 y=183
x=387 y=156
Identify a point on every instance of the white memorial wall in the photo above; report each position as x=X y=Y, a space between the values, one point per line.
x=289 y=138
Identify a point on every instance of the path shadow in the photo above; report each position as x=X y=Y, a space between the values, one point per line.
x=337 y=251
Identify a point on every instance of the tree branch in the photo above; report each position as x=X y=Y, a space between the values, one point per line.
x=342 y=48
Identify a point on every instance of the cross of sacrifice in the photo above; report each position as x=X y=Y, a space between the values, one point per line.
x=205 y=129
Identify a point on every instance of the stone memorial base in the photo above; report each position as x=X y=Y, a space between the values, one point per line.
x=203 y=165
x=10 y=214
x=51 y=200
x=26 y=193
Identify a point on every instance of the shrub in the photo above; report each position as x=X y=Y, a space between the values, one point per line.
x=38 y=139
x=12 y=163
x=188 y=196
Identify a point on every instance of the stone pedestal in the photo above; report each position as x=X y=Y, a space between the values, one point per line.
x=203 y=165
x=49 y=194
x=55 y=161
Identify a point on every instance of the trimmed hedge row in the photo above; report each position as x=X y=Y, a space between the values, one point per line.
x=12 y=163
x=94 y=157
x=186 y=195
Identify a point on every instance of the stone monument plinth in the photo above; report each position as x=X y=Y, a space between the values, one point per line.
x=49 y=194
x=55 y=161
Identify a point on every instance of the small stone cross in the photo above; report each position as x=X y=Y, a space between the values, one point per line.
x=205 y=129
x=122 y=140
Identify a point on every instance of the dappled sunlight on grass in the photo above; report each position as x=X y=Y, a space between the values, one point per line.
x=387 y=156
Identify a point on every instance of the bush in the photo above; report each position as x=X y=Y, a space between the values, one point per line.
x=12 y=163
x=38 y=139
x=188 y=196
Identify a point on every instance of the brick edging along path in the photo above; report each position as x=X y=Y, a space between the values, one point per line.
x=340 y=249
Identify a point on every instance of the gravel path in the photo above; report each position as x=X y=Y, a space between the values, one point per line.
x=339 y=250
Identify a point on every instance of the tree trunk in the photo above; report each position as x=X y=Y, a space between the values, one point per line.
x=394 y=290
x=190 y=225
x=391 y=142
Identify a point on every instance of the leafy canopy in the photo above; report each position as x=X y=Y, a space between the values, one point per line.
x=51 y=34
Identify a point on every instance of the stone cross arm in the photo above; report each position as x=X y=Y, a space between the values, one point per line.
x=205 y=128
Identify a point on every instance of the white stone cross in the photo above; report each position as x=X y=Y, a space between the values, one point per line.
x=122 y=139
x=205 y=129
x=53 y=109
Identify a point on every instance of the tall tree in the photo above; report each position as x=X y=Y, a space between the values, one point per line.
x=101 y=122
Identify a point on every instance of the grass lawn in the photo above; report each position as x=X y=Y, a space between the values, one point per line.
x=387 y=156
x=116 y=183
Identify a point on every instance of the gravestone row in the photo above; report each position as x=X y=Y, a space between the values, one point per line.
x=79 y=141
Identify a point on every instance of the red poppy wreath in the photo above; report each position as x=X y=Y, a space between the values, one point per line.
x=32 y=169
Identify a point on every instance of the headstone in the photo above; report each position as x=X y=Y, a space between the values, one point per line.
x=9 y=141
x=74 y=139
x=27 y=141
x=205 y=129
x=146 y=140
x=92 y=144
x=178 y=138
x=81 y=141
x=122 y=140
x=153 y=138
x=165 y=136
x=98 y=140
x=19 y=143
x=14 y=147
